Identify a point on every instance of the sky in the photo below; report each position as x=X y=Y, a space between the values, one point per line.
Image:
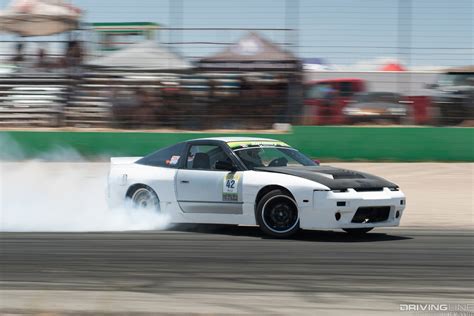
x=351 y=33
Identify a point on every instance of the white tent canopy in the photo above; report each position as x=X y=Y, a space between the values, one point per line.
x=39 y=17
x=143 y=55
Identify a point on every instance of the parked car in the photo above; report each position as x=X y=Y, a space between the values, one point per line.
x=453 y=96
x=376 y=106
x=326 y=99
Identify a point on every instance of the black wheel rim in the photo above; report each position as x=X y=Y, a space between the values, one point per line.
x=280 y=214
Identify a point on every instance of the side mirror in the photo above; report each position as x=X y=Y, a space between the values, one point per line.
x=317 y=161
x=225 y=165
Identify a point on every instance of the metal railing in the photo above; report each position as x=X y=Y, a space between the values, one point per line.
x=195 y=101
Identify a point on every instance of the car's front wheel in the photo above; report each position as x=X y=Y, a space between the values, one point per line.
x=277 y=214
x=357 y=231
x=143 y=197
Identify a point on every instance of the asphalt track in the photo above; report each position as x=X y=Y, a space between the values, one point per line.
x=235 y=271
x=222 y=270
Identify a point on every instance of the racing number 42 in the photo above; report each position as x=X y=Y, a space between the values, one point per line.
x=230 y=187
x=230 y=184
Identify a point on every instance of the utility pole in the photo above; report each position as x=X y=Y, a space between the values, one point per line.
x=295 y=88
x=175 y=23
x=404 y=43
x=292 y=8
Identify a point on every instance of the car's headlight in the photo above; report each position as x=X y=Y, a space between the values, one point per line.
x=351 y=110
x=397 y=111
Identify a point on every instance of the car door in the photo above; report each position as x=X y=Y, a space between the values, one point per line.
x=202 y=189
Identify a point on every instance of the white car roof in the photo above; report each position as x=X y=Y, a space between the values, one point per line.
x=236 y=139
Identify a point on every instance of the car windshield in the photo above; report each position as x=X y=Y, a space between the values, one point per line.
x=455 y=79
x=272 y=156
x=377 y=97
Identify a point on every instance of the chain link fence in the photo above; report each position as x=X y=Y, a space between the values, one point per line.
x=405 y=62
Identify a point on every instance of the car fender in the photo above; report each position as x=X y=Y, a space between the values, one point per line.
x=301 y=189
x=124 y=176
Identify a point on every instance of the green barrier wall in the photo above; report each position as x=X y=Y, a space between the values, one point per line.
x=343 y=143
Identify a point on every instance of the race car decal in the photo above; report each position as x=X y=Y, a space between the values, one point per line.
x=255 y=143
x=174 y=160
x=230 y=187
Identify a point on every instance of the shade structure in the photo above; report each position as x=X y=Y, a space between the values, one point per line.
x=463 y=69
x=39 y=17
x=142 y=55
x=251 y=52
x=393 y=67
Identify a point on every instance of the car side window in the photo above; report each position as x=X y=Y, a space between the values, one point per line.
x=204 y=157
x=169 y=157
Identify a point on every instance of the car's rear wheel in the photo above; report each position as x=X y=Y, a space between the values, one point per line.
x=143 y=197
x=357 y=231
x=277 y=214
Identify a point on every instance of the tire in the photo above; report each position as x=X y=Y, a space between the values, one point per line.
x=445 y=116
x=144 y=198
x=357 y=231
x=277 y=214
x=397 y=121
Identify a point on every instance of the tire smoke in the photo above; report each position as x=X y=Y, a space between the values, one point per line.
x=51 y=196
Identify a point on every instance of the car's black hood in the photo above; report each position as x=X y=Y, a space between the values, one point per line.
x=334 y=178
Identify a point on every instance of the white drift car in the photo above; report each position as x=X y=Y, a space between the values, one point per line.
x=253 y=181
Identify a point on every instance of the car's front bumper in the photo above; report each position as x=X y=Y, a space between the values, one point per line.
x=356 y=118
x=333 y=210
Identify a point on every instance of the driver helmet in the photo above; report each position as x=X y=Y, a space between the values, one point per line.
x=252 y=155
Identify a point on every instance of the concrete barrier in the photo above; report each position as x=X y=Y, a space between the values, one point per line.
x=322 y=142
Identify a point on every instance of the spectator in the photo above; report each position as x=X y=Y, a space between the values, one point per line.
x=41 y=59
x=123 y=106
x=73 y=54
x=19 y=57
x=73 y=57
x=145 y=110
